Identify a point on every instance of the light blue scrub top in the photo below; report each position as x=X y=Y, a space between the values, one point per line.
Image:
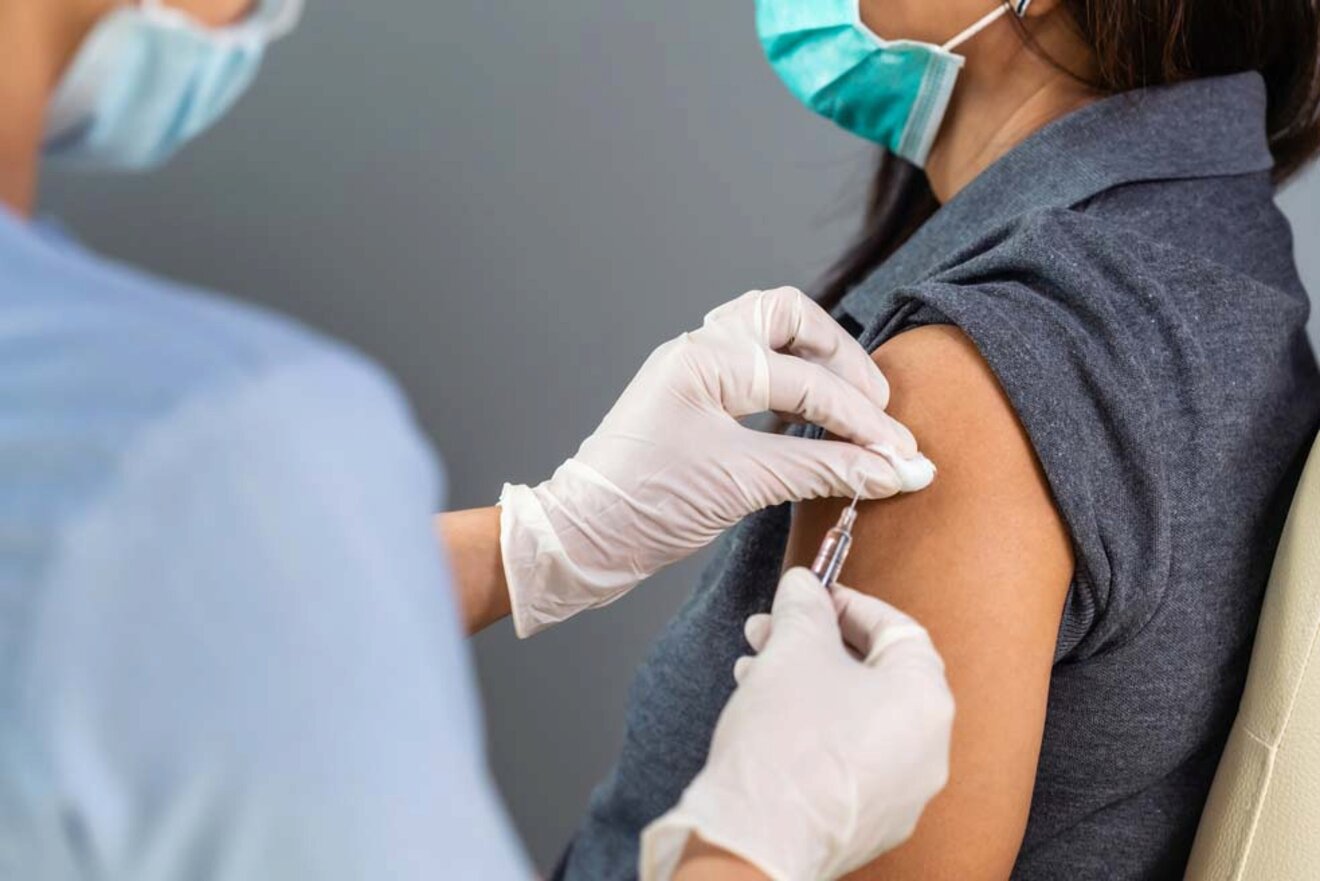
x=228 y=643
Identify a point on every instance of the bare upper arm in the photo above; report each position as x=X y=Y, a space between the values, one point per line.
x=983 y=560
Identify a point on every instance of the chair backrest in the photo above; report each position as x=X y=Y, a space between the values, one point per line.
x=1263 y=817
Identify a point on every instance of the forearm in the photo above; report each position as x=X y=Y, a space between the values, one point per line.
x=472 y=541
x=705 y=862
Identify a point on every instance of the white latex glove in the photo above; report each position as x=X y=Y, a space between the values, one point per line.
x=670 y=467
x=824 y=758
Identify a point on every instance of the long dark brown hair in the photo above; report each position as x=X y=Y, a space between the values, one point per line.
x=1137 y=44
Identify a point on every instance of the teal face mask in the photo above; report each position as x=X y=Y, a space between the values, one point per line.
x=892 y=92
x=148 y=79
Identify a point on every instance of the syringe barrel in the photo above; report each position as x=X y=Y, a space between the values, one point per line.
x=832 y=555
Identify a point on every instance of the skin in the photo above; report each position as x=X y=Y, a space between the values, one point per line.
x=983 y=560
x=38 y=39
x=473 y=541
x=1005 y=90
x=982 y=557
x=705 y=862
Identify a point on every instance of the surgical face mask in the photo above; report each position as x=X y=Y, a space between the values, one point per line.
x=892 y=92
x=148 y=79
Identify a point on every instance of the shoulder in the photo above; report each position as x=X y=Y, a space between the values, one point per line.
x=85 y=335
x=112 y=378
x=322 y=406
x=944 y=390
x=991 y=504
x=991 y=487
x=293 y=444
x=1033 y=391
x=104 y=323
x=938 y=374
x=219 y=528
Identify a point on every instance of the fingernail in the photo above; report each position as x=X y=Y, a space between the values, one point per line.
x=756 y=629
x=880 y=386
x=741 y=668
x=915 y=473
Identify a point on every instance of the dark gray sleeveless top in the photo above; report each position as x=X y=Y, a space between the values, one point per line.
x=1126 y=275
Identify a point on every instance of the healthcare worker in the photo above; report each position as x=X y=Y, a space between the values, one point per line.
x=226 y=651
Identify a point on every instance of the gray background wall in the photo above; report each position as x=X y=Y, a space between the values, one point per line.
x=510 y=209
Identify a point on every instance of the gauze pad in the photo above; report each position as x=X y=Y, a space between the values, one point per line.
x=915 y=474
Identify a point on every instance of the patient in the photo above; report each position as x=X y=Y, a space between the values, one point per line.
x=1088 y=311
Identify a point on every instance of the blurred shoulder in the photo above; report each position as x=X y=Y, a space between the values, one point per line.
x=100 y=362
x=104 y=322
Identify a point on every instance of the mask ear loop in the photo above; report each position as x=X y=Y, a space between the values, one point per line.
x=1019 y=9
x=286 y=16
x=268 y=21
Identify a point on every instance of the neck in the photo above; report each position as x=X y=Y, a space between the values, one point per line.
x=1006 y=91
x=37 y=40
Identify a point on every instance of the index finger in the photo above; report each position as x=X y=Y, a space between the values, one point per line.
x=785 y=319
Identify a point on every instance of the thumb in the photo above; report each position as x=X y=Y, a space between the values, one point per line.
x=876 y=629
x=802 y=610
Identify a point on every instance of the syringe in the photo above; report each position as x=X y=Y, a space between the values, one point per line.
x=834 y=550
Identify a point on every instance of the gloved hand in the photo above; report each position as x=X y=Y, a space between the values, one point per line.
x=670 y=467
x=824 y=758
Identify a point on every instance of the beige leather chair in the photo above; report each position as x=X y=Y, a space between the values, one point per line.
x=1263 y=817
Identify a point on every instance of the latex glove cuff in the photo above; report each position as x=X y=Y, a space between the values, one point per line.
x=545 y=586
x=711 y=812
